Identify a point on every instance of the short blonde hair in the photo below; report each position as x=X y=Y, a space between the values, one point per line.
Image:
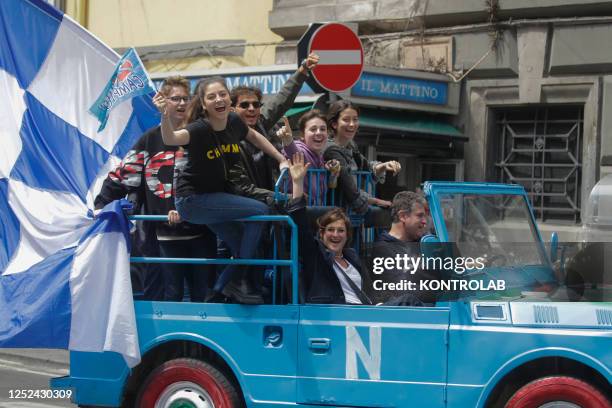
x=173 y=81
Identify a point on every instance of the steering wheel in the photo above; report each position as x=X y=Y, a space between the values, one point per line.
x=499 y=259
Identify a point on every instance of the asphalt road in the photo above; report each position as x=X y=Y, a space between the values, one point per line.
x=16 y=376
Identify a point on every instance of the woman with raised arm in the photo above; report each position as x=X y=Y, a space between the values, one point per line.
x=313 y=142
x=343 y=122
x=212 y=136
x=332 y=271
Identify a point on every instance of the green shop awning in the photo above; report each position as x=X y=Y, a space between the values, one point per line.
x=298 y=109
x=407 y=122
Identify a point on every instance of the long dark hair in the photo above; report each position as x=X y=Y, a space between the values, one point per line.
x=334 y=111
x=195 y=109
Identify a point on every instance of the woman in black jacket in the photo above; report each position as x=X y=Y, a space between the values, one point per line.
x=332 y=271
x=343 y=122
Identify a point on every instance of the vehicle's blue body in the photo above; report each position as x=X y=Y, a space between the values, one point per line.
x=456 y=354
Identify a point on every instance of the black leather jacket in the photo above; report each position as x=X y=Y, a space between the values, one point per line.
x=352 y=160
x=263 y=169
x=240 y=182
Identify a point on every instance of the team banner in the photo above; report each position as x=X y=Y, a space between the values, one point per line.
x=128 y=80
x=64 y=276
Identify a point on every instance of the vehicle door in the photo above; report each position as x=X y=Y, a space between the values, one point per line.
x=368 y=356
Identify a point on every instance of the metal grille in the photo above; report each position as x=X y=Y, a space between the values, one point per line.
x=541 y=149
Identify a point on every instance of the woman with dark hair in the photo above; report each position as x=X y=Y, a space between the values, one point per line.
x=212 y=136
x=332 y=271
x=313 y=142
x=343 y=122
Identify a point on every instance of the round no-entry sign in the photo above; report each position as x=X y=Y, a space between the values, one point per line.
x=341 y=57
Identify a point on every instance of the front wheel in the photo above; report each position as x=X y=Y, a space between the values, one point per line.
x=558 y=392
x=187 y=383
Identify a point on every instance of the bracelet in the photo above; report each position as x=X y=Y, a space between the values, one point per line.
x=305 y=64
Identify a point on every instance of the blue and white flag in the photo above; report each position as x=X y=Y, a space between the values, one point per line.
x=128 y=80
x=64 y=277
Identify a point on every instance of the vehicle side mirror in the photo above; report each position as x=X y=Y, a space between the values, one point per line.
x=430 y=238
x=431 y=247
x=554 y=247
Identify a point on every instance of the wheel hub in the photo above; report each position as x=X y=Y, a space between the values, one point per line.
x=559 y=404
x=184 y=394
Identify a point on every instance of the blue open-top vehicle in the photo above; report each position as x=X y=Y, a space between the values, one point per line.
x=523 y=345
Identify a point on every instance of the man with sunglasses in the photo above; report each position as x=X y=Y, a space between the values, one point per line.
x=256 y=174
x=247 y=102
x=148 y=172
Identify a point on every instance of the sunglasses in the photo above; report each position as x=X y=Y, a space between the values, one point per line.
x=246 y=104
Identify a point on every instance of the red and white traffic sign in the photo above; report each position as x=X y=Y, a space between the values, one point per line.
x=341 y=57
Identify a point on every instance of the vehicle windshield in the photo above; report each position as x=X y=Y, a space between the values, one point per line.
x=499 y=229
x=494 y=226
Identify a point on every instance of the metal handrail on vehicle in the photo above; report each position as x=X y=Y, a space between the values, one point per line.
x=282 y=187
x=292 y=262
x=363 y=180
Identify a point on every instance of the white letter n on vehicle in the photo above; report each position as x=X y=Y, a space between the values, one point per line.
x=355 y=347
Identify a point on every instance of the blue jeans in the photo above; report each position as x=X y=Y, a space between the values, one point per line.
x=219 y=212
x=198 y=276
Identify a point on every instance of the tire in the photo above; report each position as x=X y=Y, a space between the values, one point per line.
x=558 y=392
x=185 y=379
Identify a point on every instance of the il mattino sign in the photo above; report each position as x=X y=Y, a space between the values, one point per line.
x=398 y=88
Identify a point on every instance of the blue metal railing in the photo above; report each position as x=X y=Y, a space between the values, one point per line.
x=363 y=180
x=316 y=197
x=281 y=187
x=292 y=262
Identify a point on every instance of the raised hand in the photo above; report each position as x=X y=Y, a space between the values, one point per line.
x=297 y=168
x=159 y=101
x=311 y=61
x=284 y=133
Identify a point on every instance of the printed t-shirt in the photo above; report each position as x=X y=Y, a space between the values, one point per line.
x=210 y=154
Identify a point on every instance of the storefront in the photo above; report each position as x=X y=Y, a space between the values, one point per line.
x=405 y=115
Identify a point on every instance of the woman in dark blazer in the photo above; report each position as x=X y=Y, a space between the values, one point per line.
x=332 y=272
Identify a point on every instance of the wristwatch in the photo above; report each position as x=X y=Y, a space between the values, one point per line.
x=305 y=65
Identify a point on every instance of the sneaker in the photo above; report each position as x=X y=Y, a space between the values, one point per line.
x=240 y=294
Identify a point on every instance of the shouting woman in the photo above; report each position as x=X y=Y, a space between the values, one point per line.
x=212 y=137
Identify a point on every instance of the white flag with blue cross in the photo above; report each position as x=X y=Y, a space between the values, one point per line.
x=64 y=276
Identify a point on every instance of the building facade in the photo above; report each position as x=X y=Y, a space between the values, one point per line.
x=526 y=84
x=182 y=35
x=535 y=86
